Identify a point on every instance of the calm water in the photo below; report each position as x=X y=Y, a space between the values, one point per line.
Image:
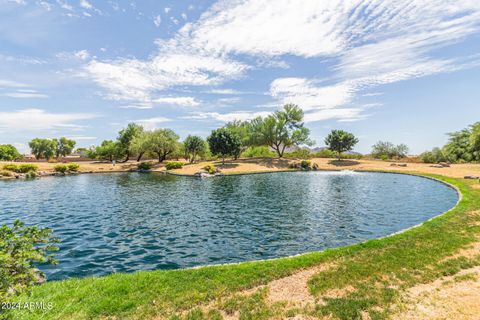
x=132 y=221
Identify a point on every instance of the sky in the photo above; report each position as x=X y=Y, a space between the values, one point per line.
x=400 y=71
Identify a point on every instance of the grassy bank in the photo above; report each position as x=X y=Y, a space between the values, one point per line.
x=370 y=278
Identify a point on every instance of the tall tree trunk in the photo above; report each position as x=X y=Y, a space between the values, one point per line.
x=140 y=156
x=127 y=158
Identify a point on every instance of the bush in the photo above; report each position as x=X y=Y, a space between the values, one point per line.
x=173 y=165
x=257 y=152
x=61 y=168
x=299 y=153
x=306 y=164
x=31 y=175
x=434 y=156
x=10 y=167
x=145 y=166
x=52 y=160
x=210 y=168
x=6 y=173
x=27 y=167
x=20 y=248
x=73 y=167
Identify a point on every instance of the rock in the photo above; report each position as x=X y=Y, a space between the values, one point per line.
x=444 y=164
x=203 y=174
x=436 y=166
x=315 y=167
x=471 y=177
x=398 y=165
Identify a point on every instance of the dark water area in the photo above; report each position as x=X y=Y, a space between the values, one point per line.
x=138 y=221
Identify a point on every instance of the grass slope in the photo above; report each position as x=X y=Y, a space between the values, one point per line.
x=378 y=270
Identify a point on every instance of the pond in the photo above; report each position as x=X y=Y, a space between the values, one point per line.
x=127 y=222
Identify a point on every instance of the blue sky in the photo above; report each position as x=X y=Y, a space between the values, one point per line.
x=403 y=71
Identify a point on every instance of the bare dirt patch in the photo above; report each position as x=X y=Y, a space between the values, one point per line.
x=446 y=298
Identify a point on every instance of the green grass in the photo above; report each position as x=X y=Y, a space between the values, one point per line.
x=378 y=270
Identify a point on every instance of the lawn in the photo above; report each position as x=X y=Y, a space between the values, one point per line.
x=377 y=270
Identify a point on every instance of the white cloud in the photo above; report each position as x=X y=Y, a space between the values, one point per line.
x=177 y=101
x=85 y=4
x=81 y=55
x=224 y=91
x=167 y=9
x=151 y=123
x=10 y=83
x=227 y=117
x=81 y=138
x=136 y=80
x=24 y=95
x=157 y=20
x=38 y=119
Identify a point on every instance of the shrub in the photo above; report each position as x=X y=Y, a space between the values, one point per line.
x=262 y=151
x=435 y=156
x=31 y=175
x=6 y=173
x=27 y=167
x=20 y=248
x=299 y=153
x=173 y=165
x=210 y=168
x=61 y=168
x=145 y=166
x=10 y=167
x=306 y=164
x=52 y=160
x=73 y=167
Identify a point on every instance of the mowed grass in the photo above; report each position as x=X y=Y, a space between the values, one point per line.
x=378 y=270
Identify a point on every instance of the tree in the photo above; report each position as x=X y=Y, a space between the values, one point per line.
x=475 y=138
x=224 y=143
x=340 y=141
x=43 y=148
x=140 y=145
x=280 y=130
x=244 y=130
x=9 y=153
x=388 y=150
x=64 y=146
x=194 y=145
x=109 y=150
x=458 y=147
x=126 y=136
x=162 y=142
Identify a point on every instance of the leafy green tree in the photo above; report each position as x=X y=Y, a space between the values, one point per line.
x=458 y=147
x=64 y=146
x=20 y=248
x=162 y=142
x=383 y=149
x=340 y=141
x=194 y=145
x=43 y=148
x=244 y=130
x=475 y=138
x=140 y=145
x=109 y=150
x=282 y=129
x=126 y=136
x=9 y=153
x=224 y=143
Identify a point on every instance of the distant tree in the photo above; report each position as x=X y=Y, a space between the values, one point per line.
x=126 y=136
x=434 y=156
x=475 y=138
x=244 y=130
x=109 y=150
x=64 y=146
x=282 y=129
x=9 y=153
x=340 y=141
x=194 y=145
x=43 y=148
x=162 y=142
x=383 y=149
x=224 y=143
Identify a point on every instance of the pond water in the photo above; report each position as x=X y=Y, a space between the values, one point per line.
x=133 y=221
